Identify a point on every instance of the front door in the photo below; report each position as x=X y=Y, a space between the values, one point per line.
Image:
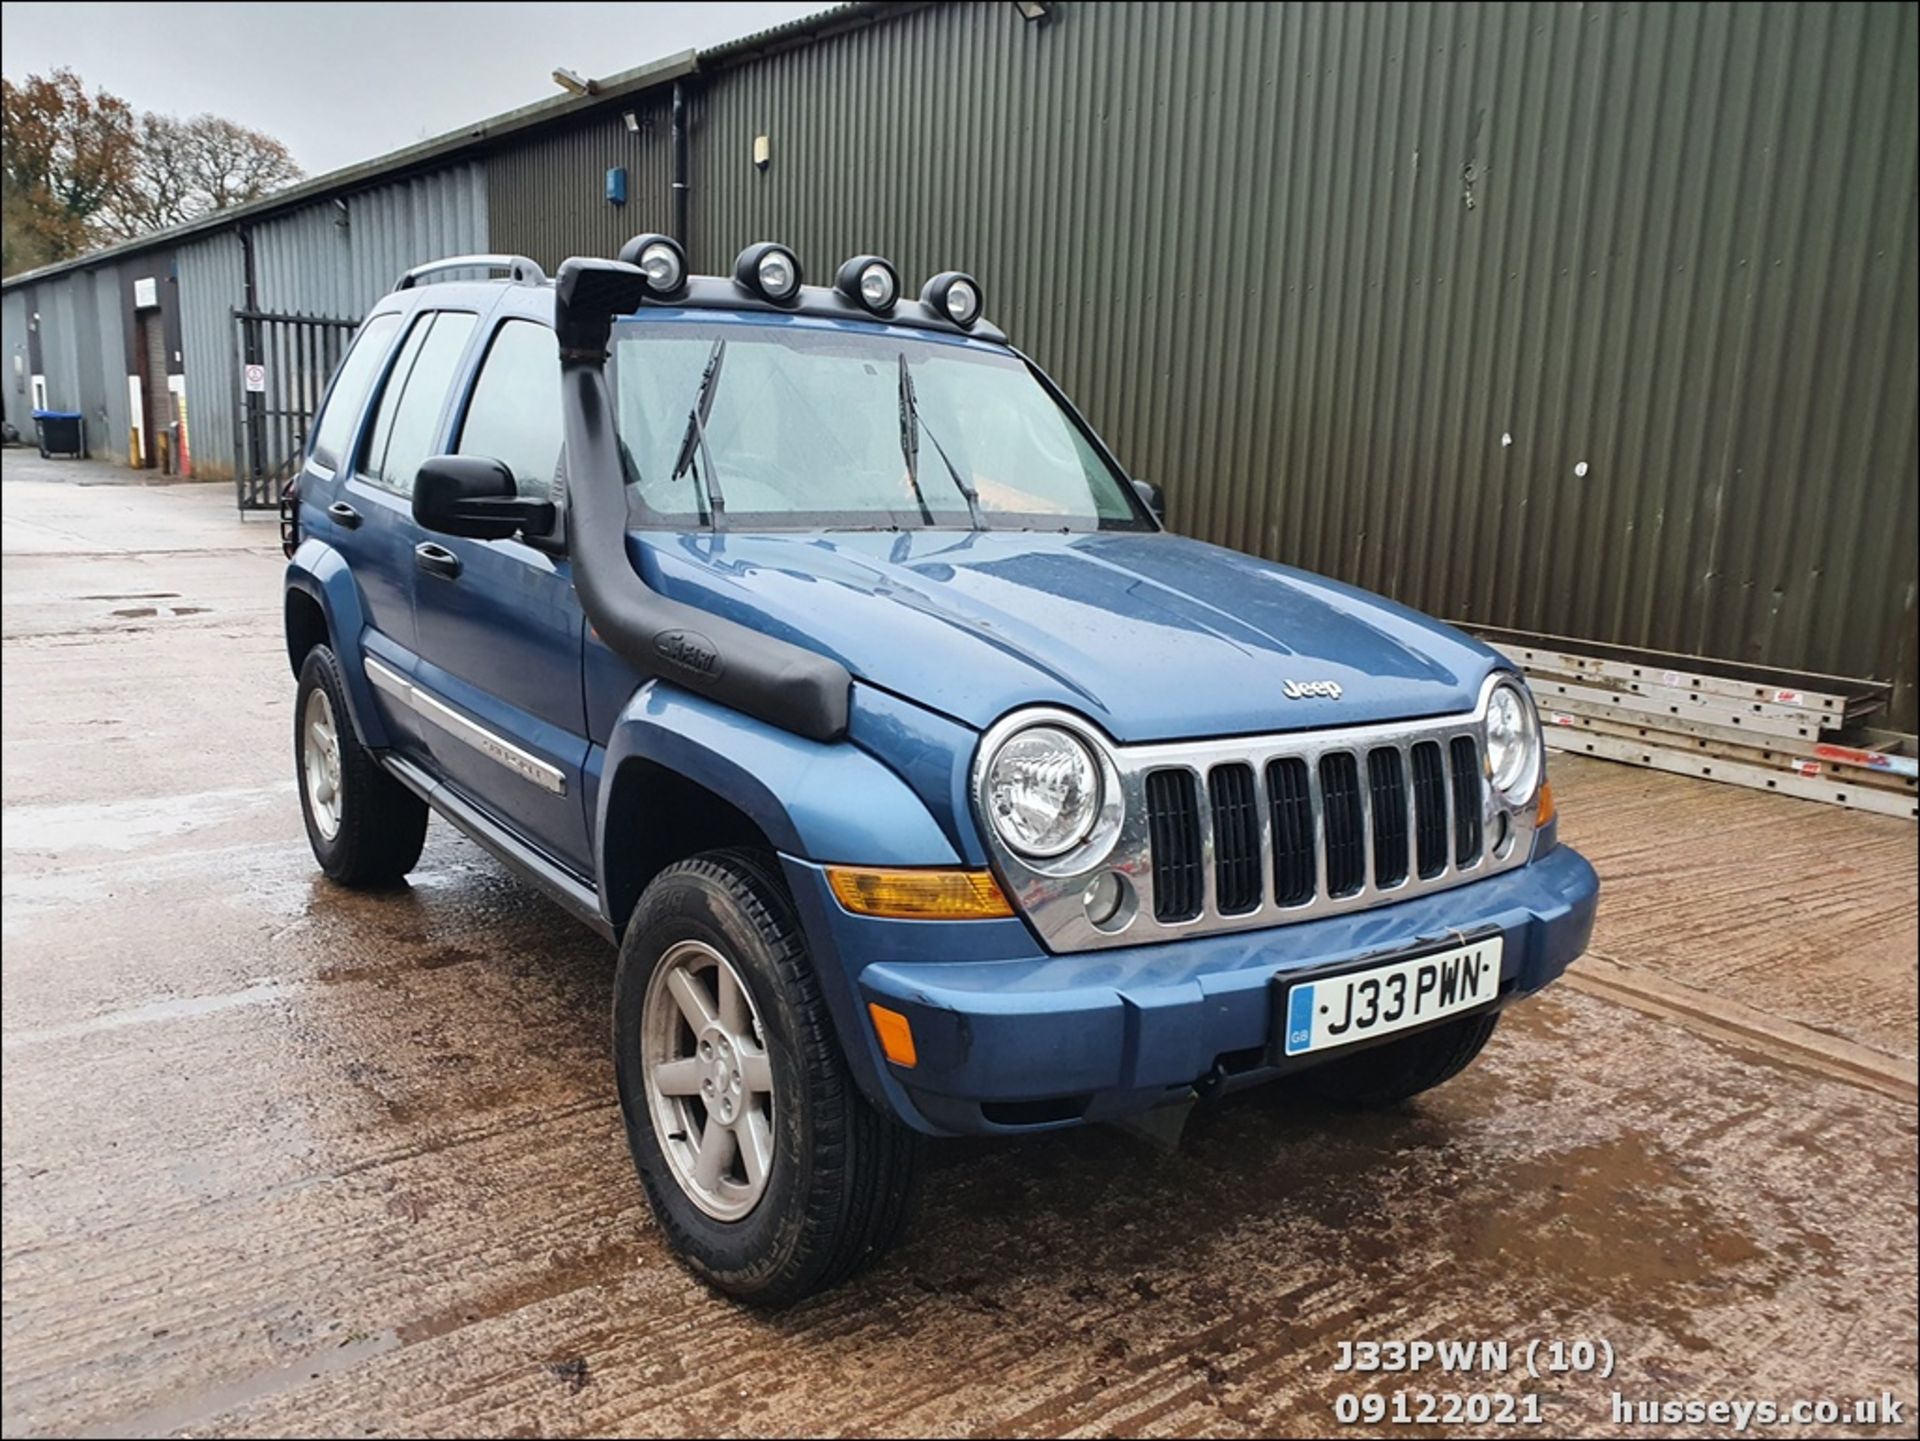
x=500 y=632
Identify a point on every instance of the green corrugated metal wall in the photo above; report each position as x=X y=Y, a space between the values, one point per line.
x=1598 y=320
x=546 y=199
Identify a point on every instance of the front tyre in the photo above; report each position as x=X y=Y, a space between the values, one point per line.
x=1396 y=1071
x=366 y=829
x=770 y=1173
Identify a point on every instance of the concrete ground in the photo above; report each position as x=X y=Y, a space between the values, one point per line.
x=284 y=1160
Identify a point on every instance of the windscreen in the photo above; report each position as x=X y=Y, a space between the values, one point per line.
x=784 y=425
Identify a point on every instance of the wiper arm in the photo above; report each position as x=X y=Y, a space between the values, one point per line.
x=694 y=441
x=911 y=424
x=910 y=439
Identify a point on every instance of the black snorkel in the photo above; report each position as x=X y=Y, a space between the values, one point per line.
x=772 y=680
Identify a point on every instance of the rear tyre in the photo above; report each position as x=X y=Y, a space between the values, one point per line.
x=366 y=829
x=771 y=1174
x=1388 y=1074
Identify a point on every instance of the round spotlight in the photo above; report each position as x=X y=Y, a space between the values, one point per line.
x=662 y=260
x=953 y=295
x=770 y=271
x=869 y=282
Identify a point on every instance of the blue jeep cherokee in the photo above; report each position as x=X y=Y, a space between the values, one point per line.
x=806 y=642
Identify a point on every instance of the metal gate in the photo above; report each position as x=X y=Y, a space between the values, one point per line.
x=281 y=367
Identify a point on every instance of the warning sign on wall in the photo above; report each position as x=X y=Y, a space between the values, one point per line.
x=256 y=379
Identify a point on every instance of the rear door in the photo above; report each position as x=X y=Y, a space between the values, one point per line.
x=358 y=523
x=500 y=630
x=400 y=432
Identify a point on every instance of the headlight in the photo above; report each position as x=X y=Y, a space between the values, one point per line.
x=1513 y=744
x=1043 y=791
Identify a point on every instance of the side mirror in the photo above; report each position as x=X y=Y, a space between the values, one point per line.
x=1150 y=497
x=472 y=496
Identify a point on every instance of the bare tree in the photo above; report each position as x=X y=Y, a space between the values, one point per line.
x=159 y=190
x=231 y=164
x=189 y=168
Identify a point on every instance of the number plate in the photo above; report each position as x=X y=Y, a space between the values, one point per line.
x=1359 y=1005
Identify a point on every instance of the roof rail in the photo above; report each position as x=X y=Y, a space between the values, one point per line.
x=520 y=270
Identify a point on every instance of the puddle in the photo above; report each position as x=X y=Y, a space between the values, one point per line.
x=196 y=1410
x=180 y=1009
x=566 y=1274
x=127 y=825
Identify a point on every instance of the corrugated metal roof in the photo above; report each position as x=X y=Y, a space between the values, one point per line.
x=426 y=155
x=553 y=110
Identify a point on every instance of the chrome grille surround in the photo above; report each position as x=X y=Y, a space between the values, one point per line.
x=1053 y=899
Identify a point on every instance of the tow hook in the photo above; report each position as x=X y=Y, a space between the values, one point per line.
x=1208 y=1086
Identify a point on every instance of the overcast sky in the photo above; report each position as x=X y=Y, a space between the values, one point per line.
x=343 y=83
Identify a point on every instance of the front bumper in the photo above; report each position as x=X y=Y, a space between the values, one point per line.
x=1012 y=1039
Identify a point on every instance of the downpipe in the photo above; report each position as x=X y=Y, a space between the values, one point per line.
x=772 y=680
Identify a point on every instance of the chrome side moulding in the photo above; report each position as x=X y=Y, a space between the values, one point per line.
x=461 y=728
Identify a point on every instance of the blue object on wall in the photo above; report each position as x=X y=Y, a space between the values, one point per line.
x=617 y=185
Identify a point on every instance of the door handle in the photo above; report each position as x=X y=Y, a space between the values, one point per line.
x=436 y=559
x=344 y=514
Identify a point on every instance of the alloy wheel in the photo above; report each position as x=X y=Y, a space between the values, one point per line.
x=709 y=1079
x=320 y=770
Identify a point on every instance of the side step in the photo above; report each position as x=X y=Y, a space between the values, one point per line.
x=560 y=885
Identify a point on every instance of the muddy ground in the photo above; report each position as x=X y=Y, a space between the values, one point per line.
x=283 y=1159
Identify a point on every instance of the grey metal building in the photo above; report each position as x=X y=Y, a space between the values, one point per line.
x=1591 y=320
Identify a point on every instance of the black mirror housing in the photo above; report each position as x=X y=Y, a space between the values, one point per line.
x=1151 y=497
x=473 y=496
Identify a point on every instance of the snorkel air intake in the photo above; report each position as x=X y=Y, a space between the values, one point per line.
x=771 y=680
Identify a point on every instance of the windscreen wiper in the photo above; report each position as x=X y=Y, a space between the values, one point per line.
x=910 y=440
x=694 y=441
x=911 y=424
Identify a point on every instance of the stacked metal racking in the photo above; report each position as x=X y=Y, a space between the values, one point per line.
x=1802 y=735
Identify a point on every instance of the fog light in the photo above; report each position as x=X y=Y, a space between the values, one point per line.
x=660 y=258
x=869 y=282
x=1109 y=901
x=768 y=270
x=954 y=296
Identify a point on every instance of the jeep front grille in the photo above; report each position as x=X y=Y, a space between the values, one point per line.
x=1385 y=816
x=1224 y=835
x=1179 y=884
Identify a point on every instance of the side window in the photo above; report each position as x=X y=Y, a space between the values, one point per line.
x=349 y=393
x=373 y=448
x=404 y=431
x=514 y=416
